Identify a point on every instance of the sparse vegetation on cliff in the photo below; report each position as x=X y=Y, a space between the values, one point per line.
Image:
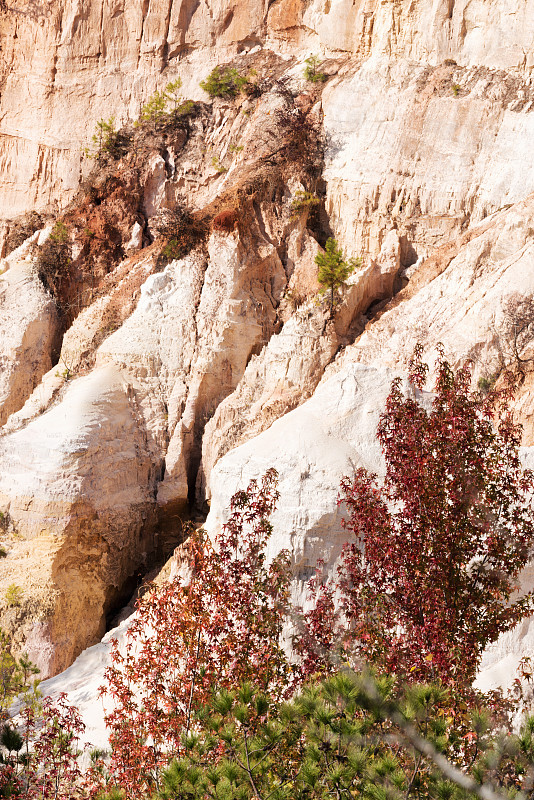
x=334 y=269
x=183 y=229
x=303 y=201
x=156 y=112
x=224 y=82
x=312 y=72
x=108 y=142
x=54 y=258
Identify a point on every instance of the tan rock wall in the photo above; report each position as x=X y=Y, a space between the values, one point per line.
x=29 y=333
x=77 y=485
x=422 y=158
x=67 y=63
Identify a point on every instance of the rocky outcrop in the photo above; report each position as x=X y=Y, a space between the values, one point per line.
x=78 y=494
x=461 y=297
x=324 y=439
x=104 y=61
x=289 y=368
x=418 y=158
x=29 y=331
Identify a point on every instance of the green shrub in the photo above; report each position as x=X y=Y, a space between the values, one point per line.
x=224 y=82
x=334 y=269
x=155 y=108
x=13 y=595
x=302 y=201
x=171 y=251
x=156 y=111
x=184 y=109
x=59 y=233
x=172 y=93
x=311 y=72
x=108 y=141
x=105 y=134
x=217 y=164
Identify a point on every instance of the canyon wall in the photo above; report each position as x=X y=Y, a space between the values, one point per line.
x=68 y=63
x=144 y=381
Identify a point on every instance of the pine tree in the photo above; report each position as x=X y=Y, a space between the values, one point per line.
x=334 y=269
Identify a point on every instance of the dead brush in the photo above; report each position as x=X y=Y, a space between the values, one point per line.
x=184 y=231
x=21 y=229
x=302 y=147
x=226 y=221
x=295 y=298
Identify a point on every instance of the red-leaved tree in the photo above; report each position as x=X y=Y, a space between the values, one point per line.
x=220 y=626
x=57 y=773
x=426 y=581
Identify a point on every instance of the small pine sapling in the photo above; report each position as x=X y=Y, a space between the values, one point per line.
x=155 y=109
x=172 y=93
x=13 y=595
x=334 y=269
x=312 y=72
x=104 y=139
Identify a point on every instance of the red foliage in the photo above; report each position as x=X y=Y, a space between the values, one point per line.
x=226 y=221
x=426 y=583
x=11 y=783
x=57 y=772
x=48 y=766
x=216 y=629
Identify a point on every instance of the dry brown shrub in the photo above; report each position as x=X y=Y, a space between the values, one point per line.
x=225 y=221
x=21 y=229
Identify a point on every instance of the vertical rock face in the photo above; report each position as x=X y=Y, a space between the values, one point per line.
x=312 y=447
x=292 y=364
x=99 y=59
x=78 y=498
x=195 y=342
x=420 y=156
x=29 y=333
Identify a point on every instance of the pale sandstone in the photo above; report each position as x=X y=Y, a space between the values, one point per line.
x=104 y=60
x=106 y=314
x=462 y=303
x=416 y=151
x=235 y=317
x=79 y=492
x=291 y=365
x=418 y=156
x=29 y=332
x=312 y=448
x=79 y=479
